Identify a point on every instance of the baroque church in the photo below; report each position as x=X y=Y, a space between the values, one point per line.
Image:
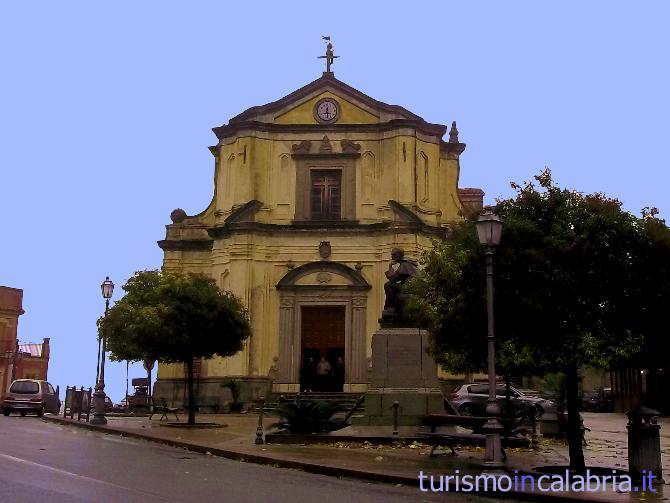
x=311 y=194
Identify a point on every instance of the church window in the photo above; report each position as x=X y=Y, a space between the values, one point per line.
x=368 y=176
x=325 y=195
x=425 y=189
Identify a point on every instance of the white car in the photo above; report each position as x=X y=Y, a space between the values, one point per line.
x=31 y=395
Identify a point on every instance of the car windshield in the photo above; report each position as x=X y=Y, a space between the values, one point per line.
x=25 y=388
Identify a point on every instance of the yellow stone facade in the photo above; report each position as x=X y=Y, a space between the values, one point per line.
x=398 y=188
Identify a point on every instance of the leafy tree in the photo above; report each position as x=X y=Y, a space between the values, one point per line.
x=571 y=277
x=656 y=280
x=175 y=318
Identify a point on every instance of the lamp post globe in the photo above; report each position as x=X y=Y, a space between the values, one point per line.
x=107 y=288
x=489 y=228
x=489 y=231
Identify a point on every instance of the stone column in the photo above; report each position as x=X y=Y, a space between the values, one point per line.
x=357 y=365
x=286 y=372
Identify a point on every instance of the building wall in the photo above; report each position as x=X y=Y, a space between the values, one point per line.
x=15 y=364
x=401 y=191
x=11 y=308
x=35 y=365
x=402 y=167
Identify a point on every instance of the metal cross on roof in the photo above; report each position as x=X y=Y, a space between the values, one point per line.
x=329 y=57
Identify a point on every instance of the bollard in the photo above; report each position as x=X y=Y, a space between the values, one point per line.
x=534 y=437
x=88 y=403
x=259 y=428
x=77 y=402
x=395 y=406
x=68 y=400
x=644 y=444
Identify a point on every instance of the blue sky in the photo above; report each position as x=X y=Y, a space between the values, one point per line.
x=106 y=113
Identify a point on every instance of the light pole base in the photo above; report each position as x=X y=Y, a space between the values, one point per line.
x=493 y=456
x=99 y=406
x=98 y=420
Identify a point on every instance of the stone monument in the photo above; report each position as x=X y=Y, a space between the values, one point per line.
x=402 y=369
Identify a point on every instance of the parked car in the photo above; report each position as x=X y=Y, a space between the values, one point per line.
x=31 y=395
x=108 y=404
x=598 y=401
x=122 y=406
x=470 y=400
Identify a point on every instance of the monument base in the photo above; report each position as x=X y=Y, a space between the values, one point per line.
x=414 y=405
x=403 y=372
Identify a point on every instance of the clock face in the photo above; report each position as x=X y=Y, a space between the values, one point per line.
x=327 y=110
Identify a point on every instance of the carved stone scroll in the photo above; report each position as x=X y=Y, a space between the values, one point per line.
x=349 y=147
x=302 y=148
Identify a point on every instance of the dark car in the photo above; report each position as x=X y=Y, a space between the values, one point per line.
x=31 y=395
x=122 y=406
x=598 y=401
x=108 y=404
x=470 y=400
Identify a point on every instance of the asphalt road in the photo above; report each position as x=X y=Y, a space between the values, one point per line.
x=42 y=461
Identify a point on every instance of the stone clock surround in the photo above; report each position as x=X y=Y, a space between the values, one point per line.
x=334 y=118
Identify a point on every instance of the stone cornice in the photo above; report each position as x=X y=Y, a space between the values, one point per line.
x=11 y=312
x=326 y=155
x=451 y=150
x=436 y=130
x=242 y=221
x=316 y=228
x=185 y=244
x=342 y=227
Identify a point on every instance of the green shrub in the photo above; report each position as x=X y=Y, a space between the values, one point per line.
x=307 y=416
x=234 y=386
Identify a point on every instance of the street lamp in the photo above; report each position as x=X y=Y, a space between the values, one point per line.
x=489 y=229
x=107 y=288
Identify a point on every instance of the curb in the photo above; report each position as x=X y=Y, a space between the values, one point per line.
x=339 y=472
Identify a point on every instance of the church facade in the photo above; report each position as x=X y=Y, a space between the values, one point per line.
x=311 y=194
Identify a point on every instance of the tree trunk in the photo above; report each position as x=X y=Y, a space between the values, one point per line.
x=191 y=405
x=574 y=429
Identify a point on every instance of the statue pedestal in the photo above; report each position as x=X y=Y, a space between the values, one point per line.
x=403 y=372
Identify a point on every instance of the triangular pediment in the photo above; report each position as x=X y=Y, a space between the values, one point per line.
x=351 y=112
x=298 y=106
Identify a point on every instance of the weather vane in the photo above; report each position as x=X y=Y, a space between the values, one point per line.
x=329 y=57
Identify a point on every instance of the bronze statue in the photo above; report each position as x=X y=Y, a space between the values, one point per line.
x=399 y=271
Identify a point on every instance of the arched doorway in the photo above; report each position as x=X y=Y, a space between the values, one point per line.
x=322 y=342
x=322 y=321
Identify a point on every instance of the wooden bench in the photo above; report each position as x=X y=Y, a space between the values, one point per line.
x=207 y=406
x=473 y=423
x=450 y=440
x=163 y=408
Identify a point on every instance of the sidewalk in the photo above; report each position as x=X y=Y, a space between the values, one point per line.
x=398 y=464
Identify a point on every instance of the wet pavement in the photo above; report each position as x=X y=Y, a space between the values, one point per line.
x=48 y=461
x=400 y=462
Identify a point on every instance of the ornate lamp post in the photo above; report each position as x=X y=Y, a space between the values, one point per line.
x=489 y=229
x=107 y=288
